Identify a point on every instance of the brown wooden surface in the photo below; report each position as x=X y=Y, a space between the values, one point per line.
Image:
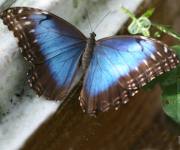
x=138 y=125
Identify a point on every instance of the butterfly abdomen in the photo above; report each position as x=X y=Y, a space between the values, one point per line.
x=86 y=57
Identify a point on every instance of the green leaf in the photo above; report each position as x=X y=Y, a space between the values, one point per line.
x=139 y=25
x=133 y=28
x=171 y=96
x=144 y=25
x=171 y=91
x=144 y=22
x=157 y=34
x=128 y=12
x=149 y=12
x=167 y=29
x=177 y=49
x=170 y=85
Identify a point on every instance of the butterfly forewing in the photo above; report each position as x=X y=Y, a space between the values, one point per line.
x=51 y=44
x=119 y=67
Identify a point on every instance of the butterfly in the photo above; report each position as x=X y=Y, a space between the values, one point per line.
x=113 y=68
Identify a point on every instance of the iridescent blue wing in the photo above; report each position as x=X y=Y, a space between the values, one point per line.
x=119 y=67
x=51 y=44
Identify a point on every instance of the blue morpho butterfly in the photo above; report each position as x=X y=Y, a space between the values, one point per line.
x=114 y=68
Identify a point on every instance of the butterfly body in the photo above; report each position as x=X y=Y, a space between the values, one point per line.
x=87 y=55
x=113 y=68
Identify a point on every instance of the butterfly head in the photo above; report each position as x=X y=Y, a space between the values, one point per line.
x=92 y=35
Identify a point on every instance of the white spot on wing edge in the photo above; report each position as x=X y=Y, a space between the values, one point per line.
x=30 y=84
x=165 y=49
x=144 y=37
x=9 y=11
x=23 y=17
x=45 y=12
x=24 y=46
x=136 y=68
x=42 y=12
x=20 y=11
x=21 y=50
x=145 y=62
x=153 y=57
x=159 y=54
x=27 y=23
x=32 y=31
x=35 y=41
x=21 y=36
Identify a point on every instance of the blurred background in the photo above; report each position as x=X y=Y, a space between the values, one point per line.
x=139 y=125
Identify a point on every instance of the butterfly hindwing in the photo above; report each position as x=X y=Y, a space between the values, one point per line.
x=51 y=44
x=119 y=67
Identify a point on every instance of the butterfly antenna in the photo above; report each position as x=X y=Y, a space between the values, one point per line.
x=90 y=25
x=101 y=20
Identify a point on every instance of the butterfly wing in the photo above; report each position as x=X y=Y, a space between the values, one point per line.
x=119 y=67
x=51 y=44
